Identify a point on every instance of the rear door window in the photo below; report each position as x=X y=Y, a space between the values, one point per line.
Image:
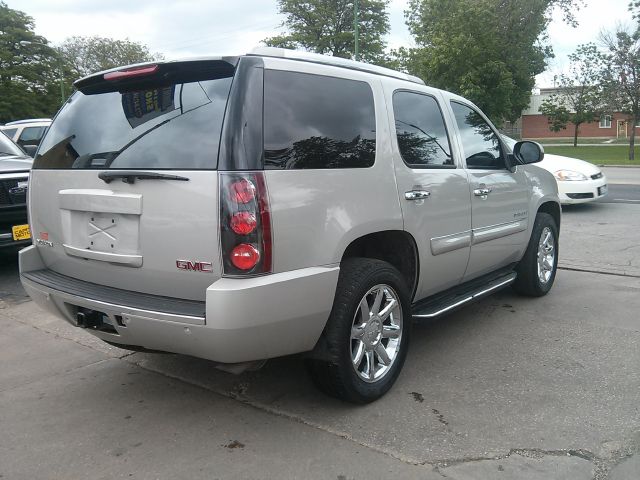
x=31 y=135
x=159 y=127
x=314 y=121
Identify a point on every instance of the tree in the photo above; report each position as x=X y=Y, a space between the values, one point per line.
x=327 y=27
x=579 y=97
x=622 y=76
x=634 y=8
x=487 y=50
x=87 y=55
x=28 y=72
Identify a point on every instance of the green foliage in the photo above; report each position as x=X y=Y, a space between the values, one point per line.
x=28 y=69
x=487 y=50
x=622 y=75
x=580 y=94
x=634 y=8
x=596 y=154
x=87 y=55
x=558 y=115
x=326 y=26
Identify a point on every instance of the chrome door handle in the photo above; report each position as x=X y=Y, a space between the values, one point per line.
x=482 y=192
x=416 y=194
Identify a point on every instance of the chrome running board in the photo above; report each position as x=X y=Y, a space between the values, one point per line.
x=460 y=296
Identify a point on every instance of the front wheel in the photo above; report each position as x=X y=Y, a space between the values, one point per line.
x=537 y=269
x=367 y=334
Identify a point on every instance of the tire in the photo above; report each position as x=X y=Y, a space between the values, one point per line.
x=354 y=369
x=532 y=281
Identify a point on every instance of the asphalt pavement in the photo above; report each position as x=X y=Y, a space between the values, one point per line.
x=510 y=388
x=621 y=194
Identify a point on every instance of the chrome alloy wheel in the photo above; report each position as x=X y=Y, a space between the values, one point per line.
x=376 y=333
x=546 y=255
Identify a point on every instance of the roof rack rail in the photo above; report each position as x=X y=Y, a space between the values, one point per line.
x=335 y=61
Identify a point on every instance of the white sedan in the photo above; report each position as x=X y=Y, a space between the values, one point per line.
x=578 y=181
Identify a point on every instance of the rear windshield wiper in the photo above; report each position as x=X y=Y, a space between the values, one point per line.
x=132 y=176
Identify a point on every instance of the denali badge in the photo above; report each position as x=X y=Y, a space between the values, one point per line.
x=194 y=266
x=44 y=243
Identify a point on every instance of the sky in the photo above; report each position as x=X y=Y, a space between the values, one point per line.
x=182 y=28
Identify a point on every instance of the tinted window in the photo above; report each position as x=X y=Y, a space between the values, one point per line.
x=422 y=135
x=7 y=147
x=10 y=132
x=313 y=121
x=31 y=135
x=480 y=143
x=174 y=126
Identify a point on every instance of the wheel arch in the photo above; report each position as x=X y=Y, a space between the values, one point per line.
x=396 y=247
x=553 y=209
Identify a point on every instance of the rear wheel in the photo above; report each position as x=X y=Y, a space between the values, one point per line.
x=537 y=269
x=367 y=334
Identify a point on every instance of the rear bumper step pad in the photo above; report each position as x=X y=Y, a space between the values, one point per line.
x=116 y=296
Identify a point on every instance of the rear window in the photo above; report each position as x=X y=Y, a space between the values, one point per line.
x=7 y=147
x=314 y=121
x=9 y=132
x=160 y=127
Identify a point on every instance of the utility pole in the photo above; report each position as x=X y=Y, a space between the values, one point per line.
x=356 y=29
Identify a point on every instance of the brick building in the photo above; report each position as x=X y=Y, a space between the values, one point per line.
x=536 y=125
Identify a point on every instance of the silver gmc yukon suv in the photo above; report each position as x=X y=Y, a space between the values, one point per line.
x=243 y=208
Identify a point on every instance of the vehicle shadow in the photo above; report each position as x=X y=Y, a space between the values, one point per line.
x=505 y=371
x=585 y=208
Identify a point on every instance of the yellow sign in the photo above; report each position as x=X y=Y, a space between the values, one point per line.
x=21 y=232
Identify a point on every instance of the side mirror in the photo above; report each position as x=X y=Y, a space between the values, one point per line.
x=528 y=152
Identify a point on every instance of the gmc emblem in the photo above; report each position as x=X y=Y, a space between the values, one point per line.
x=194 y=266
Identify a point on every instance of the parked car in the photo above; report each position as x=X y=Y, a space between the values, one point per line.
x=243 y=208
x=14 y=178
x=27 y=133
x=578 y=181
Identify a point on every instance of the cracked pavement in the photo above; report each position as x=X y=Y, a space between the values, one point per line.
x=509 y=388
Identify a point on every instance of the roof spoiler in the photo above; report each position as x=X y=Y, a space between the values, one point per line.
x=151 y=74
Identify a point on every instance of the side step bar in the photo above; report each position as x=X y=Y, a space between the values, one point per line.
x=447 y=303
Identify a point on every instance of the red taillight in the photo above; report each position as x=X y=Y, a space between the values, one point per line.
x=242 y=191
x=131 y=72
x=245 y=223
x=245 y=256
